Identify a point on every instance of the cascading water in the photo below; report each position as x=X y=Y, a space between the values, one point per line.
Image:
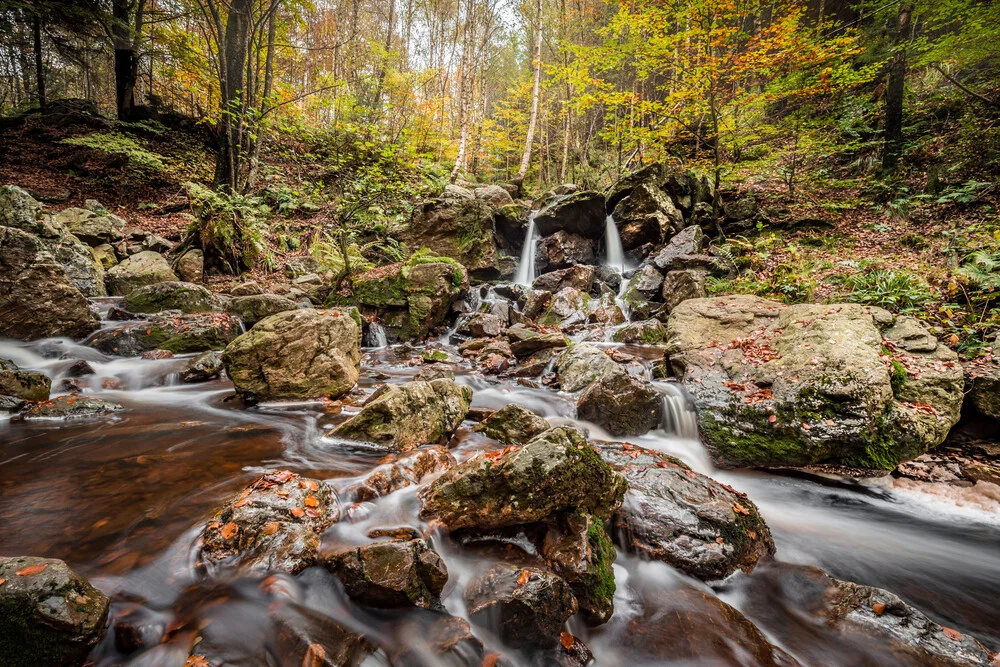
x=375 y=337
x=525 y=274
x=614 y=252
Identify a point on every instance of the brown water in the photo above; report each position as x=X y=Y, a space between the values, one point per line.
x=122 y=500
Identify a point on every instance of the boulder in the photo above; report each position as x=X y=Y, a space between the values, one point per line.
x=581 y=365
x=654 y=174
x=525 y=607
x=301 y=265
x=621 y=404
x=300 y=353
x=646 y=215
x=206 y=366
x=557 y=471
x=684 y=251
x=191 y=265
x=482 y=325
x=400 y=418
x=689 y=521
x=246 y=288
x=580 y=213
x=511 y=224
x=681 y=285
x=578 y=277
x=71 y=406
x=840 y=384
x=567 y=308
x=253 y=308
x=178 y=333
x=459 y=228
x=172 y=295
x=273 y=525
x=36 y=297
x=95 y=230
x=406 y=470
x=49 y=615
x=141 y=269
x=494 y=195
x=391 y=574
x=20 y=210
x=644 y=332
x=104 y=255
x=410 y=298
x=578 y=549
x=525 y=342
x=512 y=424
x=26 y=385
x=82 y=268
x=562 y=250
x=457 y=192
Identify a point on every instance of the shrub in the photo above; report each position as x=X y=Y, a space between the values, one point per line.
x=228 y=228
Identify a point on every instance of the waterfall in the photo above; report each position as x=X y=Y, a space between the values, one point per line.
x=615 y=254
x=375 y=337
x=525 y=274
x=678 y=414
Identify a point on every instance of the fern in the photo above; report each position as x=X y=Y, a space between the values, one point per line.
x=981 y=269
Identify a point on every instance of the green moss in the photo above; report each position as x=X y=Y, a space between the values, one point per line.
x=759 y=443
x=897 y=376
x=602 y=586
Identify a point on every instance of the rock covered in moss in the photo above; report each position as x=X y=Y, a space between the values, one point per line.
x=555 y=472
x=37 y=298
x=141 y=269
x=459 y=228
x=644 y=332
x=23 y=384
x=525 y=607
x=271 y=526
x=683 y=518
x=838 y=384
x=20 y=210
x=401 y=418
x=252 y=308
x=71 y=406
x=178 y=333
x=402 y=471
x=567 y=308
x=621 y=404
x=578 y=549
x=49 y=615
x=513 y=424
x=95 y=230
x=581 y=365
x=172 y=295
x=391 y=574
x=301 y=353
x=525 y=341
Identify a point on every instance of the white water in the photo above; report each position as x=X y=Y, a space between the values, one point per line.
x=525 y=274
x=615 y=253
x=376 y=336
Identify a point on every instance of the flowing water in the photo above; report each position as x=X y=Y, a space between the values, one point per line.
x=122 y=499
x=525 y=273
x=613 y=250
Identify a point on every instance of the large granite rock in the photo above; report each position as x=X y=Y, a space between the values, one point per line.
x=459 y=228
x=513 y=424
x=621 y=404
x=563 y=250
x=801 y=385
x=143 y=268
x=297 y=354
x=252 y=308
x=176 y=332
x=172 y=295
x=581 y=365
x=391 y=574
x=579 y=213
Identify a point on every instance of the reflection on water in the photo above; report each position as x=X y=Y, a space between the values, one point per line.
x=122 y=499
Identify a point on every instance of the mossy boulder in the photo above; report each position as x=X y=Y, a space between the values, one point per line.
x=97 y=229
x=525 y=341
x=830 y=385
x=26 y=385
x=460 y=228
x=172 y=295
x=301 y=353
x=404 y=470
x=391 y=574
x=581 y=365
x=141 y=269
x=206 y=366
x=49 y=615
x=80 y=262
x=37 y=298
x=621 y=404
x=644 y=332
x=569 y=307
x=557 y=471
x=578 y=548
x=71 y=406
x=512 y=424
x=177 y=332
x=400 y=418
x=252 y=308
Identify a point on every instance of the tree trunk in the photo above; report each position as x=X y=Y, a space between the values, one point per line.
x=894 y=91
x=39 y=64
x=126 y=58
x=535 y=94
x=235 y=52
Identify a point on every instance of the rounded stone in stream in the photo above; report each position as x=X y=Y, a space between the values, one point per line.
x=403 y=417
x=206 y=366
x=27 y=385
x=71 y=406
x=557 y=471
x=49 y=615
x=673 y=514
x=581 y=365
x=297 y=354
x=512 y=424
x=621 y=404
x=252 y=308
x=525 y=607
x=273 y=525
x=391 y=574
x=172 y=295
x=176 y=332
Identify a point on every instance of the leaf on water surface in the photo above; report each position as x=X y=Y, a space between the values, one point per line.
x=567 y=640
x=31 y=569
x=523 y=578
x=230 y=530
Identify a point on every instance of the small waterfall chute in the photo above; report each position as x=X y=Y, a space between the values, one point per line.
x=614 y=253
x=375 y=336
x=525 y=274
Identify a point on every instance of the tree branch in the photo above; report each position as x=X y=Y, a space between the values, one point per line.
x=958 y=84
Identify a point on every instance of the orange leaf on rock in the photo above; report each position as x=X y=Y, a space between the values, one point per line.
x=196 y=661
x=2 y=581
x=31 y=569
x=270 y=528
x=772 y=419
x=297 y=511
x=567 y=640
x=229 y=531
x=311 y=501
x=310 y=484
x=878 y=608
x=315 y=656
x=739 y=509
x=490 y=659
x=523 y=578
x=951 y=634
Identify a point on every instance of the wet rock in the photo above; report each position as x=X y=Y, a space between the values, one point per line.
x=172 y=295
x=567 y=308
x=512 y=424
x=11 y=404
x=643 y=291
x=621 y=404
x=252 y=308
x=460 y=228
x=436 y=371
x=536 y=364
x=272 y=526
x=191 y=266
x=482 y=325
x=157 y=354
x=563 y=250
x=26 y=385
x=175 y=332
x=206 y=366
x=812 y=384
x=686 y=243
x=579 y=550
x=528 y=614
x=401 y=418
x=511 y=223
x=49 y=615
x=581 y=365
x=410 y=468
x=71 y=406
x=605 y=310
x=578 y=277
x=683 y=518
x=681 y=285
x=817 y=616
x=309 y=638
x=36 y=297
x=981 y=472
x=556 y=471
x=645 y=332
x=141 y=269
x=436 y=639
x=391 y=574
x=525 y=341
x=246 y=288
x=579 y=213
x=300 y=353
x=136 y=628
x=80 y=369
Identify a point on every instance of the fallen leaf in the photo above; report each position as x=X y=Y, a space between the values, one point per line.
x=311 y=501
x=739 y=509
x=310 y=484
x=490 y=660
x=878 y=608
x=314 y=657
x=752 y=534
x=229 y=531
x=2 y=581
x=196 y=661
x=523 y=578
x=270 y=528
x=297 y=511
x=31 y=569
x=720 y=539
x=772 y=418
x=567 y=640
x=951 y=634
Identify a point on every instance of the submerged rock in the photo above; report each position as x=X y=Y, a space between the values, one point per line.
x=71 y=406
x=404 y=417
x=525 y=607
x=26 y=385
x=683 y=518
x=512 y=424
x=141 y=269
x=272 y=526
x=391 y=574
x=555 y=472
x=802 y=385
x=49 y=615
x=621 y=404
x=167 y=331
x=303 y=353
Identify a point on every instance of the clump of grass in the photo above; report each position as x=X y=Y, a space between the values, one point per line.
x=899 y=291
